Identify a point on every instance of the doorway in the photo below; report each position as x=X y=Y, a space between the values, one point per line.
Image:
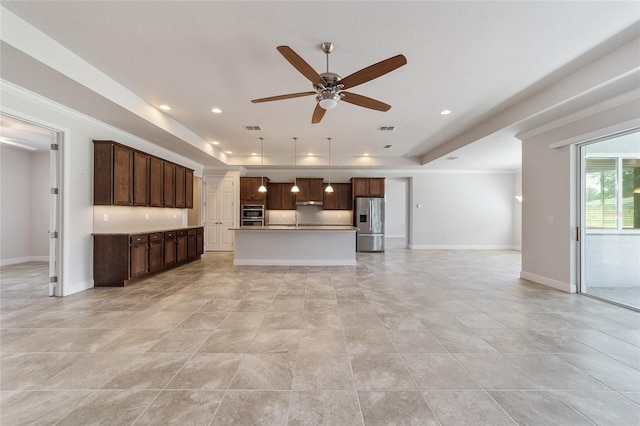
x=31 y=208
x=219 y=213
x=610 y=219
x=396 y=223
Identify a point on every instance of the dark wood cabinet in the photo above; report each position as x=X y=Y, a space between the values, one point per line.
x=140 y=179
x=170 y=248
x=156 y=251
x=340 y=198
x=249 y=190
x=113 y=174
x=181 y=246
x=123 y=176
x=181 y=200
x=280 y=197
x=311 y=190
x=367 y=187
x=199 y=241
x=188 y=185
x=121 y=258
x=169 y=197
x=138 y=255
x=156 y=182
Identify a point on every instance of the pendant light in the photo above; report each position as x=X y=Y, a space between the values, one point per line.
x=262 y=187
x=329 y=188
x=295 y=188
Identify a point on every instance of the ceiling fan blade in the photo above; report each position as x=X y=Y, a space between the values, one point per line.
x=364 y=101
x=281 y=97
x=301 y=65
x=318 y=113
x=373 y=71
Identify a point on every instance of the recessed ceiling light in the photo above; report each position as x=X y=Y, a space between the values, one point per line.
x=366 y=154
x=254 y=153
x=310 y=154
x=165 y=107
x=216 y=110
x=445 y=112
x=228 y=152
x=215 y=143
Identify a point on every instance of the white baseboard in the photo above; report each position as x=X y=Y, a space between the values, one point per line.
x=25 y=259
x=292 y=262
x=71 y=288
x=549 y=282
x=461 y=247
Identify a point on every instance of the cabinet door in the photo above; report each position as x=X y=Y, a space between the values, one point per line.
x=360 y=187
x=139 y=260
x=316 y=190
x=249 y=190
x=274 y=196
x=156 y=181
x=181 y=248
x=102 y=173
x=156 y=256
x=305 y=191
x=169 y=185
x=199 y=241
x=122 y=175
x=344 y=201
x=188 y=184
x=376 y=187
x=191 y=245
x=140 y=179
x=169 y=248
x=181 y=201
x=330 y=201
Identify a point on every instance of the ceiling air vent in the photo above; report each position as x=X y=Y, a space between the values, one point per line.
x=386 y=128
x=387 y=146
x=253 y=127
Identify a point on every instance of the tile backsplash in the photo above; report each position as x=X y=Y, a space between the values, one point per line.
x=309 y=215
x=136 y=219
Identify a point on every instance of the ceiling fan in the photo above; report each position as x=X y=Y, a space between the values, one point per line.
x=329 y=87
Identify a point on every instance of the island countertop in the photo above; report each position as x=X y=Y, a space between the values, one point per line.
x=296 y=228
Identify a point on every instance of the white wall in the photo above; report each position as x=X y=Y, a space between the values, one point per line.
x=15 y=203
x=517 y=210
x=40 y=206
x=77 y=186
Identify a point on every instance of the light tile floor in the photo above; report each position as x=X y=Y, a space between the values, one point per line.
x=406 y=337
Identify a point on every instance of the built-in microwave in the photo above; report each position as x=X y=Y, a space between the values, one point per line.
x=253 y=211
x=252 y=222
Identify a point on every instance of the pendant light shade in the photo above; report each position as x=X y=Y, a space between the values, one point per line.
x=295 y=188
x=262 y=187
x=329 y=188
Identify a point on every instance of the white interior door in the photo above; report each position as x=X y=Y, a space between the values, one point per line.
x=219 y=208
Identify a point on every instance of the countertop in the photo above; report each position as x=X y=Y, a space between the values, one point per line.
x=146 y=231
x=296 y=228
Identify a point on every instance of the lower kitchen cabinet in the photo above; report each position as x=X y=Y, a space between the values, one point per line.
x=120 y=258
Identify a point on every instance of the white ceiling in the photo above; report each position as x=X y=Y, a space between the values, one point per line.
x=473 y=58
x=23 y=135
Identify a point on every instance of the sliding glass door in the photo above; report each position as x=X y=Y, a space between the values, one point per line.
x=610 y=219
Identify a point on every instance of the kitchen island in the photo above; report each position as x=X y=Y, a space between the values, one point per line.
x=302 y=245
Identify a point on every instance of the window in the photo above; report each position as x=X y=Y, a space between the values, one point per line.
x=612 y=193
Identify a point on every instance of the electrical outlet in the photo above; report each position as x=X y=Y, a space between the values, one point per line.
x=174 y=215
x=105 y=217
x=146 y=216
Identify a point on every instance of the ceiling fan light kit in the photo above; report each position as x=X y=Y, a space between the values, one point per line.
x=329 y=87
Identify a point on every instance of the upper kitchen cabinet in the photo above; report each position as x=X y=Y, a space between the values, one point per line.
x=280 y=197
x=141 y=179
x=339 y=199
x=181 y=195
x=249 y=190
x=156 y=182
x=367 y=187
x=112 y=174
x=123 y=176
x=311 y=190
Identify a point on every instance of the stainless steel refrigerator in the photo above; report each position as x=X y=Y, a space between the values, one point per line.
x=369 y=219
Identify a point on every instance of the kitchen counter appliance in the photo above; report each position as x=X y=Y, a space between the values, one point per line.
x=252 y=215
x=369 y=219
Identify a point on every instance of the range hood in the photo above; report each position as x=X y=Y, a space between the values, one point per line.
x=308 y=203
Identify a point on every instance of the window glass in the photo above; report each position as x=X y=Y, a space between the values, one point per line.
x=631 y=193
x=601 y=205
